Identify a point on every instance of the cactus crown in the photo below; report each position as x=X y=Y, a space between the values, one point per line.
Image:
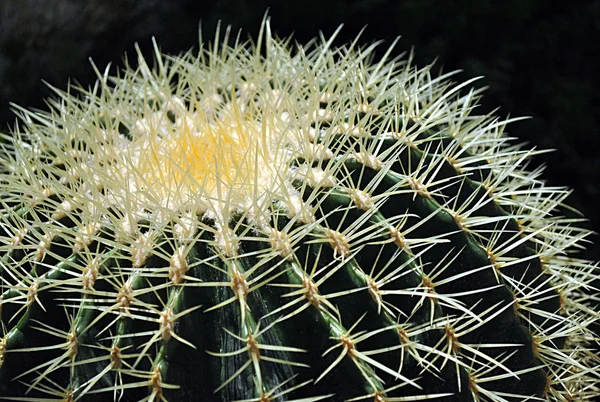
x=259 y=223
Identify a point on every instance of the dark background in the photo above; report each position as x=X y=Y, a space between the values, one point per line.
x=539 y=57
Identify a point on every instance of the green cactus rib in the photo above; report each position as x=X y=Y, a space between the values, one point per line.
x=257 y=223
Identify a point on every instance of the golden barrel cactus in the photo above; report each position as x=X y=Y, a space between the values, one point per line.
x=267 y=222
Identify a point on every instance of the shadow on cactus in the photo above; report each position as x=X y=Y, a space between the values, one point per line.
x=262 y=222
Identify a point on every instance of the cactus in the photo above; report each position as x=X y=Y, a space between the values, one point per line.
x=260 y=223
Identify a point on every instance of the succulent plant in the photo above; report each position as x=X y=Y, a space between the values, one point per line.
x=259 y=222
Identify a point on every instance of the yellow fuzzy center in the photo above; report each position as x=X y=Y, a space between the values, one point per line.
x=227 y=159
x=216 y=155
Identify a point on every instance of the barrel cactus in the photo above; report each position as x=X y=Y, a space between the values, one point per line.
x=261 y=222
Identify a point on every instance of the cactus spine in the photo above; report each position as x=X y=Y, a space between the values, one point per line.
x=259 y=223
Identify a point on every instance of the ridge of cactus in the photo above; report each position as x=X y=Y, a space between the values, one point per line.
x=267 y=222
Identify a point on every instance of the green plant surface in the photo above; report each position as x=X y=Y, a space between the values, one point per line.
x=262 y=222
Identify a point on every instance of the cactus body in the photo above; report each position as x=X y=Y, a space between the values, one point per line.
x=256 y=223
